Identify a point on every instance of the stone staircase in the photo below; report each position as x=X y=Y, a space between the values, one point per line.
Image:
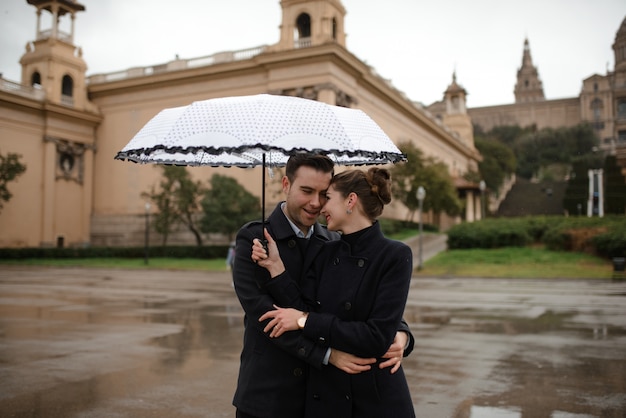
x=528 y=198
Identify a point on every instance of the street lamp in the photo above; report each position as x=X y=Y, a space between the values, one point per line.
x=421 y=194
x=147 y=237
x=482 y=187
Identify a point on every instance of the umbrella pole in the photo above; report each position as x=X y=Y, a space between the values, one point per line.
x=263 y=240
x=263 y=194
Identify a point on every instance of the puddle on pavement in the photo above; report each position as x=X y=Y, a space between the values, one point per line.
x=69 y=354
x=561 y=368
x=94 y=355
x=491 y=412
x=591 y=387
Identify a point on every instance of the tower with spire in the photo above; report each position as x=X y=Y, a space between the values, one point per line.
x=455 y=116
x=528 y=87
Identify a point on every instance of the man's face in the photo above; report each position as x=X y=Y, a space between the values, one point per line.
x=305 y=196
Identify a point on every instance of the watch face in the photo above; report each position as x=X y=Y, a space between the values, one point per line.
x=301 y=321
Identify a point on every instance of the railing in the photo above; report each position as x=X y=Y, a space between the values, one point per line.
x=25 y=91
x=67 y=100
x=178 y=64
x=46 y=34
x=302 y=43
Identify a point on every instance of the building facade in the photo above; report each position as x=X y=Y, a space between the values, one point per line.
x=601 y=103
x=68 y=126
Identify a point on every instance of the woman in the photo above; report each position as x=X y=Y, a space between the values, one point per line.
x=352 y=300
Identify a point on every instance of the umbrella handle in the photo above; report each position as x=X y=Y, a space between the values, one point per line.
x=263 y=242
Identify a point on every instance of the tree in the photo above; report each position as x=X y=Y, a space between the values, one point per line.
x=498 y=162
x=177 y=200
x=535 y=150
x=227 y=206
x=10 y=169
x=166 y=215
x=441 y=194
x=614 y=187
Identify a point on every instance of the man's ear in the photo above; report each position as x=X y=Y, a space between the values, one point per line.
x=286 y=184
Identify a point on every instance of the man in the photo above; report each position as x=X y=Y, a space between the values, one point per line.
x=273 y=371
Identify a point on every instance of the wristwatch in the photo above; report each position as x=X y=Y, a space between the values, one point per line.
x=302 y=320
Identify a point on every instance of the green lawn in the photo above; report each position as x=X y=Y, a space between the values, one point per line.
x=513 y=262
x=526 y=262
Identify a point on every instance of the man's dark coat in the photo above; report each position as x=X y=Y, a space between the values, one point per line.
x=273 y=371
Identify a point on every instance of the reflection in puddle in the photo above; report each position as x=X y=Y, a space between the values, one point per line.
x=491 y=412
x=546 y=361
x=142 y=344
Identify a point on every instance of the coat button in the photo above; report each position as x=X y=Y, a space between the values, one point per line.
x=361 y=262
x=291 y=243
x=302 y=352
x=316 y=397
x=347 y=306
x=347 y=397
x=321 y=339
x=336 y=261
x=297 y=372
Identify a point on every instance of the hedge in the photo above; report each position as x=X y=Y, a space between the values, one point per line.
x=208 y=252
x=605 y=236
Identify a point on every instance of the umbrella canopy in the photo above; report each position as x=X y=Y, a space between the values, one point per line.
x=239 y=131
x=247 y=131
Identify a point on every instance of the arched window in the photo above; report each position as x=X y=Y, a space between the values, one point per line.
x=596 y=108
x=302 y=31
x=621 y=109
x=455 y=103
x=35 y=79
x=67 y=88
x=303 y=23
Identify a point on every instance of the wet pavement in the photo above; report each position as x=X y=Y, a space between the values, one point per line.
x=97 y=343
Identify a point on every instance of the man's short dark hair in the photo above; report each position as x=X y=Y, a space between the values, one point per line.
x=317 y=162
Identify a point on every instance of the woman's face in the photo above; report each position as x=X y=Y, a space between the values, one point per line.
x=334 y=210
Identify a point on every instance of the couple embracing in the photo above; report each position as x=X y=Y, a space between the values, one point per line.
x=324 y=335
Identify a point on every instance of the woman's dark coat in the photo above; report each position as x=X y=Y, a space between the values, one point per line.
x=359 y=293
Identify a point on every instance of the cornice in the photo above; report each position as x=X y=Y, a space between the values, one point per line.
x=47 y=108
x=365 y=76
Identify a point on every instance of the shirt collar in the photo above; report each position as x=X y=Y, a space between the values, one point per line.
x=295 y=228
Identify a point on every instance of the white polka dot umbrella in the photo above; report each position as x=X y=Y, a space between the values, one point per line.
x=263 y=129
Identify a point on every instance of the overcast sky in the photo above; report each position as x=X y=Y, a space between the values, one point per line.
x=416 y=44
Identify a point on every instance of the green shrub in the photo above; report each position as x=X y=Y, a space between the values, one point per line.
x=488 y=233
x=393 y=226
x=611 y=243
x=602 y=236
x=192 y=251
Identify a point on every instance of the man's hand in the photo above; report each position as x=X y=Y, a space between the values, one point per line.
x=267 y=255
x=395 y=352
x=350 y=363
x=281 y=320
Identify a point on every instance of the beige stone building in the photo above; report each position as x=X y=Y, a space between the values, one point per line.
x=68 y=126
x=602 y=101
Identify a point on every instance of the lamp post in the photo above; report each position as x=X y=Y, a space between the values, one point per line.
x=482 y=187
x=147 y=237
x=421 y=194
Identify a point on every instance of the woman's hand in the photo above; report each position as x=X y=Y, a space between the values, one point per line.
x=282 y=320
x=349 y=363
x=269 y=259
x=395 y=352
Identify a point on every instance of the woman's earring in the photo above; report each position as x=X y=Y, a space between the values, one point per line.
x=349 y=211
